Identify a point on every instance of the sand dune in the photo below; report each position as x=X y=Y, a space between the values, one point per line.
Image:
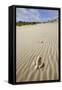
x=33 y=41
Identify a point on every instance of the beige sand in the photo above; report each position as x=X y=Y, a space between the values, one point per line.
x=33 y=41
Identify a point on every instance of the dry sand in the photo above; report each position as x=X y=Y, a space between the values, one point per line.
x=33 y=41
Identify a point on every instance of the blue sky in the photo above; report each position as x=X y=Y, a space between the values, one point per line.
x=35 y=15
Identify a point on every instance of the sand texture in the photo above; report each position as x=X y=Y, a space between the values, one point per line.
x=35 y=42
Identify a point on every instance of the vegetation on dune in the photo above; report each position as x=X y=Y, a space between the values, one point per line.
x=25 y=23
x=21 y=23
x=51 y=21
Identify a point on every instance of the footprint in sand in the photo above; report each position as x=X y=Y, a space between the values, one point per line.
x=41 y=42
x=38 y=63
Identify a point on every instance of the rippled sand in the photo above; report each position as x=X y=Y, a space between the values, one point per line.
x=33 y=41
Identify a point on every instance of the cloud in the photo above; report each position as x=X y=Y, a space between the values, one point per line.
x=24 y=14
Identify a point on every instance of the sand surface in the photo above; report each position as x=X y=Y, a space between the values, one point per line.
x=33 y=41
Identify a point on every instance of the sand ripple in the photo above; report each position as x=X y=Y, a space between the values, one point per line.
x=26 y=69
